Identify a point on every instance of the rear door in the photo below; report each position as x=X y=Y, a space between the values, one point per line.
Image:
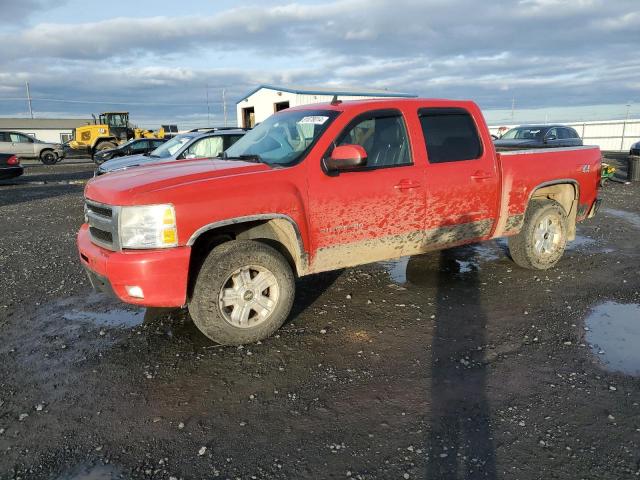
x=462 y=178
x=375 y=212
x=22 y=145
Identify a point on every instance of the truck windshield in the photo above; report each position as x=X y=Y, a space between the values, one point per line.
x=284 y=138
x=171 y=147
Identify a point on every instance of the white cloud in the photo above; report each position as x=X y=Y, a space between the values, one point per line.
x=545 y=52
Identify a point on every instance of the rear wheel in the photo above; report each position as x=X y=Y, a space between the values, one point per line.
x=243 y=293
x=543 y=238
x=48 y=157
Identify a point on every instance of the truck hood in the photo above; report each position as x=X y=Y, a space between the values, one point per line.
x=123 y=188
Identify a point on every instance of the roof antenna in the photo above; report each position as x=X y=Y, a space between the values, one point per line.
x=335 y=100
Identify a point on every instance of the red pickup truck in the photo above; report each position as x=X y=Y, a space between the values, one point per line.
x=324 y=187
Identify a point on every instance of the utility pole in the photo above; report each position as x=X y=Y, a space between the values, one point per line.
x=29 y=99
x=513 y=109
x=224 y=106
x=624 y=126
x=208 y=108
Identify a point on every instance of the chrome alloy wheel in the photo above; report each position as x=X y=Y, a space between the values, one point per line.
x=547 y=235
x=249 y=296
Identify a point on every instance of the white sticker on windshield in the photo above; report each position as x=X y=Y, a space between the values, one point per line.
x=314 y=120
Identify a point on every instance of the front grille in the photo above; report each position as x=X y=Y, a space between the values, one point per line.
x=103 y=224
x=105 y=211
x=101 y=235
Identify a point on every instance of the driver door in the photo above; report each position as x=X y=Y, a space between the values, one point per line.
x=375 y=212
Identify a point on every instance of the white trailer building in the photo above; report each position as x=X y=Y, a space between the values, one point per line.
x=52 y=130
x=265 y=100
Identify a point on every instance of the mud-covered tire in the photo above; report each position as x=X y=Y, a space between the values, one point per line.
x=222 y=280
x=48 y=157
x=543 y=238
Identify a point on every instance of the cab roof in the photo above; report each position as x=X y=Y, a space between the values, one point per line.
x=346 y=105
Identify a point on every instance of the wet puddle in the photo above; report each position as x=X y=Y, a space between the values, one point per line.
x=471 y=258
x=102 y=311
x=613 y=331
x=102 y=472
x=397 y=269
x=629 y=217
x=586 y=243
x=112 y=318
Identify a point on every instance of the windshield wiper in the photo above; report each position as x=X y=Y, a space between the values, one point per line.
x=246 y=158
x=251 y=158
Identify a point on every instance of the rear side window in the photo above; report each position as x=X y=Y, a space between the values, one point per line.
x=571 y=133
x=141 y=145
x=230 y=140
x=450 y=135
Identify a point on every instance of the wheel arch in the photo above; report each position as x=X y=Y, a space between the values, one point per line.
x=277 y=230
x=566 y=192
x=44 y=150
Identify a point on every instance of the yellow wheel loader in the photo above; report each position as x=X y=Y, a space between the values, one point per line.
x=111 y=129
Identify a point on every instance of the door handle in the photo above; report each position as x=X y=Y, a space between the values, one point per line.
x=406 y=185
x=481 y=176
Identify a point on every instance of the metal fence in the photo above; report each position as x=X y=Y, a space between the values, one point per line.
x=614 y=135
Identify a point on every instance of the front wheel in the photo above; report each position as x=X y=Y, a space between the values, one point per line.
x=543 y=238
x=49 y=157
x=243 y=293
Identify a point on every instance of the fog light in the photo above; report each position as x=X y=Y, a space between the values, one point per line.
x=134 y=291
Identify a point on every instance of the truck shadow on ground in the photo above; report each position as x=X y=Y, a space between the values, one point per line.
x=460 y=439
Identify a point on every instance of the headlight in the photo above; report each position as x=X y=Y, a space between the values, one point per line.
x=149 y=226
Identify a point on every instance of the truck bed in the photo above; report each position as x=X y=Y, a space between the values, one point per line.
x=525 y=171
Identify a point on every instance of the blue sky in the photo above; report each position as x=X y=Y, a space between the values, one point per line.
x=560 y=60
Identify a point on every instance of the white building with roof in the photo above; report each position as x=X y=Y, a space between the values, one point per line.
x=52 y=130
x=265 y=100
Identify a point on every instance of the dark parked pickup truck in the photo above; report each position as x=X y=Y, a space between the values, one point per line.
x=324 y=187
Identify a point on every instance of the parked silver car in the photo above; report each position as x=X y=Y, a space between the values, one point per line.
x=197 y=143
x=24 y=146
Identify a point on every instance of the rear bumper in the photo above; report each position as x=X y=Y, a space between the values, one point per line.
x=162 y=275
x=10 y=172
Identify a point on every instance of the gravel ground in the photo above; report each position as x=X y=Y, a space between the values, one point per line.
x=456 y=364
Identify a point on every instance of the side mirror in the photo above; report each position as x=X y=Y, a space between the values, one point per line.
x=549 y=138
x=346 y=157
